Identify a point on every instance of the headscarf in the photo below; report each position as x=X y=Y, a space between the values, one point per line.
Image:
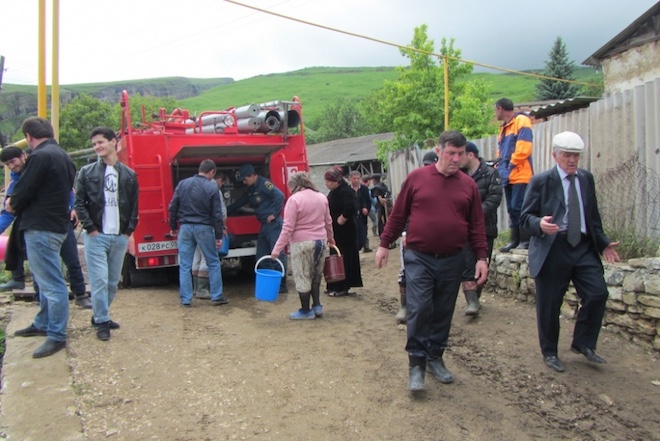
x=335 y=174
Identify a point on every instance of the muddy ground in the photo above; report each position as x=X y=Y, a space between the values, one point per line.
x=244 y=371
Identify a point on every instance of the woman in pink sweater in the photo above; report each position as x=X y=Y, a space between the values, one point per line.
x=308 y=228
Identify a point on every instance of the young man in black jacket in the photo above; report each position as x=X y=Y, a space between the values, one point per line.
x=107 y=207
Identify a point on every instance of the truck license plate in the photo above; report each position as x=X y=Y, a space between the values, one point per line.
x=149 y=247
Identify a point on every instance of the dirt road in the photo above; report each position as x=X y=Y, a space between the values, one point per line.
x=245 y=372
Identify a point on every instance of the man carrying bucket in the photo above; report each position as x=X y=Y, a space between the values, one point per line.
x=196 y=220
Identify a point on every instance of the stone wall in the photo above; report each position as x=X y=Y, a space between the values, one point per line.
x=633 y=307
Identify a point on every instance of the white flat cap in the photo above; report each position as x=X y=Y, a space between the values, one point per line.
x=568 y=142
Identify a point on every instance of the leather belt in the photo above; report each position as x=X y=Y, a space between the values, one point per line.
x=435 y=255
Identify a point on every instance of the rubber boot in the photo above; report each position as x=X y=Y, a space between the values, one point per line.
x=416 y=373
x=402 y=315
x=513 y=242
x=203 y=289
x=472 y=303
x=524 y=240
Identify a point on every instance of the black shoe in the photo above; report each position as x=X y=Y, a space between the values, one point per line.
x=186 y=305
x=437 y=368
x=283 y=289
x=366 y=250
x=416 y=378
x=553 y=362
x=48 y=348
x=83 y=301
x=30 y=331
x=113 y=325
x=103 y=332
x=589 y=354
x=222 y=300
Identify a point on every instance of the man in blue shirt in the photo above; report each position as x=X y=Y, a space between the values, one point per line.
x=267 y=201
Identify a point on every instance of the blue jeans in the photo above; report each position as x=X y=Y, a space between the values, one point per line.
x=191 y=236
x=104 y=254
x=266 y=240
x=43 y=250
x=514 y=199
x=69 y=254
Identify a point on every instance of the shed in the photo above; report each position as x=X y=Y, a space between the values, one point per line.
x=352 y=153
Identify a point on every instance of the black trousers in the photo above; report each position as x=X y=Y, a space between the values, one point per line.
x=432 y=285
x=362 y=230
x=583 y=267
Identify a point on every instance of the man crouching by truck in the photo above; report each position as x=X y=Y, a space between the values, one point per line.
x=196 y=220
x=107 y=207
x=267 y=201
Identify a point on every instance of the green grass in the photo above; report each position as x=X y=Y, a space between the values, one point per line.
x=314 y=86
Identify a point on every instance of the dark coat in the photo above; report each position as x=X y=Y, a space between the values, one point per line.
x=545 y=197
x=341 y=200
x=490 y=189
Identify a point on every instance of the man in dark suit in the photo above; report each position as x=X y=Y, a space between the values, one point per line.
x=567 y=238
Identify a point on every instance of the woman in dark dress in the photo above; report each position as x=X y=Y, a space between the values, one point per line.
x=343 y=209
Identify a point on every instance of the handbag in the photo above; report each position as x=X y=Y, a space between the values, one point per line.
x=333 y=269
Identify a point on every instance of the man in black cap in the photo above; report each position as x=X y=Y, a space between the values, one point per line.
x=267 y=201
x=490 y=189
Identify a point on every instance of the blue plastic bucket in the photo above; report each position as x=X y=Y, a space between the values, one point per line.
x=224 y=248
x=267 y=284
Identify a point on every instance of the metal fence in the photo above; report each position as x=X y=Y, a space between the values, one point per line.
x=618 y=130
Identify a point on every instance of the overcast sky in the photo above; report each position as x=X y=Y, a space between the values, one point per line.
x=131 y=39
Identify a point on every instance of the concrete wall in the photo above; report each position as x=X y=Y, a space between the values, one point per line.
x=631 y=68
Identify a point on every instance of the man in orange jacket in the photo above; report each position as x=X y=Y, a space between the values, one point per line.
x=514 y=165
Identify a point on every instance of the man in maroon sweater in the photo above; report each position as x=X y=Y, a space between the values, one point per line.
x=441 y=211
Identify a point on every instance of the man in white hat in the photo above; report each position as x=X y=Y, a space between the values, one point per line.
x=560 y=213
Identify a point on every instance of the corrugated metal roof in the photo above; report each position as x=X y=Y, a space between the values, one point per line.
x=343 y=151
x=563 y=106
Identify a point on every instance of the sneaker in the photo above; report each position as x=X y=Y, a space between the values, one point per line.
x=222 y=300
x=186 y=305
x=113 y=325
x=103 y=332
x=83 y=301
x=30 y=331
x=318 y=310
x=302 y=315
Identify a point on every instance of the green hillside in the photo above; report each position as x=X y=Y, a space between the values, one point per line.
x=315 y=86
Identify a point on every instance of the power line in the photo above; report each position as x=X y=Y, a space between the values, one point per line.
x=376 y=40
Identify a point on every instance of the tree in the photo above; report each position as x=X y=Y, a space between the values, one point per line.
x=341 y=118
x=413 y=106
x=558 y=66
x=79 y=117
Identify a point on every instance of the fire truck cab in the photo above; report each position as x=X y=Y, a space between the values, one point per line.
x=270 y=136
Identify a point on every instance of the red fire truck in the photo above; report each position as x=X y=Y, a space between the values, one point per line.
x=170 y=147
